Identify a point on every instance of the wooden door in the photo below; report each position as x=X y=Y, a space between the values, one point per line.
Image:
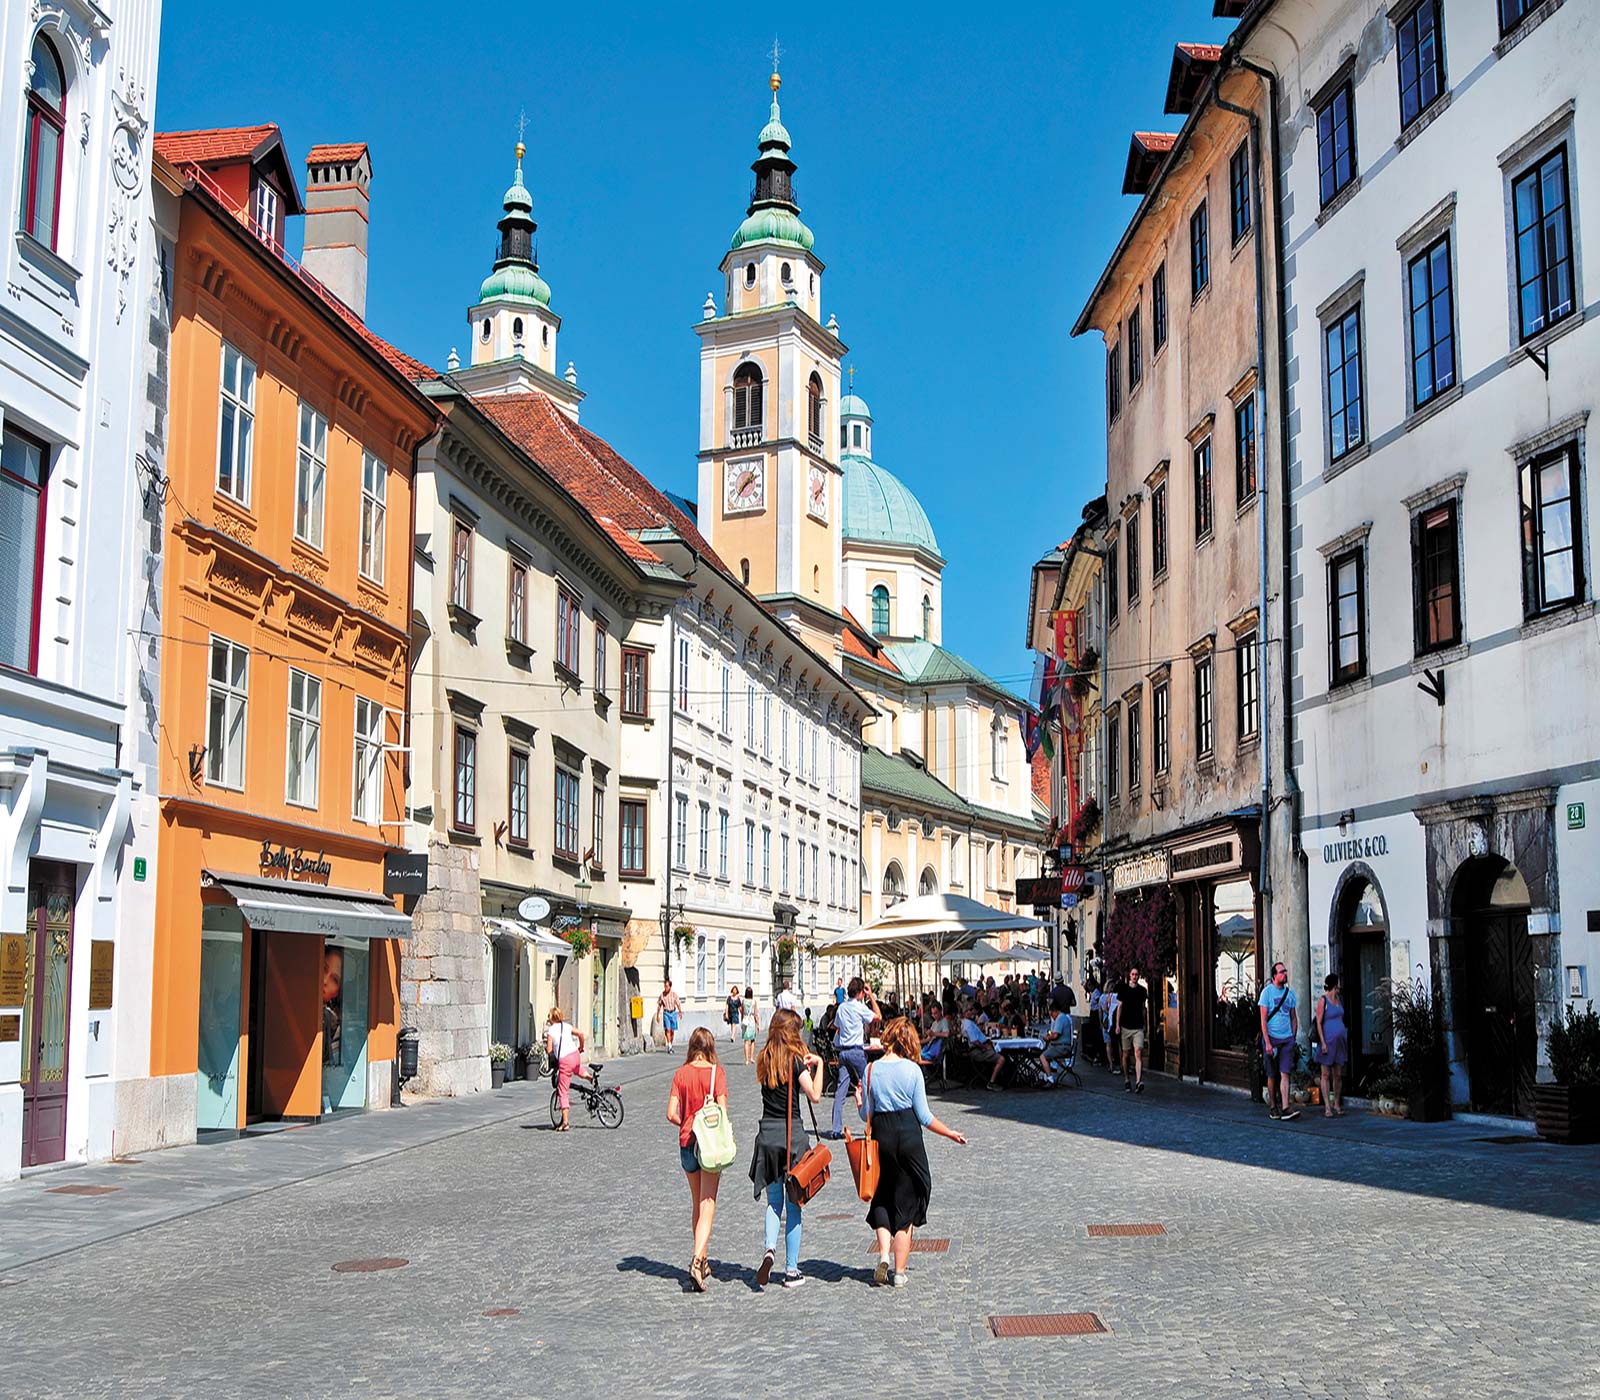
x=47 y=1012
x=1502 y=1045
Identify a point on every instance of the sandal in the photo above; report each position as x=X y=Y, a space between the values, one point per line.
x=699 y=1272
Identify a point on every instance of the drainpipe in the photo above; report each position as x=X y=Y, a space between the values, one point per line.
x=666 y=815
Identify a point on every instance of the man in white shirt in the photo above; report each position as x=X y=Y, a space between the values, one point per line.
x=981 y=1047
x=787 y=1000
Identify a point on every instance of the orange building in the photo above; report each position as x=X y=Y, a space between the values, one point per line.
x=286 y=616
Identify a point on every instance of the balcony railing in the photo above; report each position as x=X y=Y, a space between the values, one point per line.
x=745 y=437
x=815 y=442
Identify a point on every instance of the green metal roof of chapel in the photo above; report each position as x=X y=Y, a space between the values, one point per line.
x=879 y=507
x=899 y=776
x=928 y=663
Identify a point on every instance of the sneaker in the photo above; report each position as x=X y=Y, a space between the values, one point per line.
x=992 y=1087
x=1139 y=1087
x=880 y=1275
x=1127 y=1088
x=1050 y=1079
x=901 y=1280
x=794 y=1280
x=1273 y=1114
x=765 y=1271
x=1290 y=1116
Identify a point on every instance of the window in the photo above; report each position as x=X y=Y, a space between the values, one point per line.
x=700 y=967
x=766 y=725
x=1204 y=730
x=1202 y=491
x=310 y=476
x=722 y=968
x=1541 y=206
x=1135 y=351
x=236 y=428
x=1112 y=581
x=680 y=832
x=1158 y=309
x=705 y=838
x=44 y=128
x=880 y=611
x=1199 y=250
x=749 y=963
x=1347 y=620
x=465 y=813
x=228 y=695
x=568 y=787
x=1513 y=12
x=374 y=506
x=750 y=716
x=600 y=635
x=833 y=764
x=801 y=889
x=833 y=878
x=722 y=845
x=517 y=800
x=1433 y=341
x=24 y=466
x=783 y=863
x=816 y=754
x=1421 y=47
x=1244 y=450
x=264 y=213
x=1436 y=574
x=1114 y=754
x=816 y=872
x=1113 y=382
x=1239 y=191
x=1249 y=686
x=1135 y=749
x=747 y=413
x=1160 y=728
x=1130 y=549
x=997 y=749
x=367 y=803
x=927 y=617
x=727 y=700
x=635 y=683
x=568 y=631
x=597 y=826
x=766 y=857
x=749 y=274
x=1552 y=527
x=517 y=604
x=683 y=674
x=814 y=409
x=460 y=564
x=800 y=745
x=305 y=732
x=1158 y=530
x=750 y=853
x=1342 y=340
x=1336 y=143
x=855 y=434
x=631 y=819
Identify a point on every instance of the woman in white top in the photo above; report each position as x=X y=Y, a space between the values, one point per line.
x=565 y=1044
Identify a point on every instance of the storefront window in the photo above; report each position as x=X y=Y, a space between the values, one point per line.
x=1235 y=1021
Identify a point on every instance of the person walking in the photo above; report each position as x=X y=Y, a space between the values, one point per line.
x=1280 y=1027
x=1333 y=1046
x=667 y=1008
x=785 y=1070
x=752 y=1024
x=786 y=1000
x=700 y=1078
x=839 y=992
x=894 y=1101
x=565 y=1044
x=1108 y=1019
x=859 y=1010
x=1132 y=1003
x=733 y=1014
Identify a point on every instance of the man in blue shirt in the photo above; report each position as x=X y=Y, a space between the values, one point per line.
x=838 y=993
x=1280 y=1026
x=858 y=1011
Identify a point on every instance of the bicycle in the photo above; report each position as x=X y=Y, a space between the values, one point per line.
x=604 y=1104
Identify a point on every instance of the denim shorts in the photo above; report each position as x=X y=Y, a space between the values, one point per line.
x=687 y=1159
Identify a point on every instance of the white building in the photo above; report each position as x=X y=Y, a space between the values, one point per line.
x=83 y=283
x=1439 y=174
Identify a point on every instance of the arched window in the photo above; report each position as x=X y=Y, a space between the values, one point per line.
x=749 y=274
x=744 y=572
x=486 y=329
x=44 y=126
x=927 y=618
x=747 y=397
x=929 y=883
x=814 y=408
x=880 y=610
x=894 y=885
x=516 y=327
x=997 y=747
x=816 y=578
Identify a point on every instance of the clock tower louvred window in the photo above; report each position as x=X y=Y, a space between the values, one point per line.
x=747 y=396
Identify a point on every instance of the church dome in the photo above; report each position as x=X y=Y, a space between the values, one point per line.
x=774 y=225
x=853 y=406
x=517 y=281
x=880 y=509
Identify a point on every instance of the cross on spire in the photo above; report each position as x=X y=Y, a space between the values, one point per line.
x=522 y=124
x=776 y=52
x=852 y=374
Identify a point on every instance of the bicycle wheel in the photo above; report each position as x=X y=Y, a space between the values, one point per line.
x=608 y=1108
x=541 y=1062
x=555 y=1108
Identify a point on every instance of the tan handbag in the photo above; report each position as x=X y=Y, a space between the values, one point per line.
x=810 y=1174
x=863 y=1151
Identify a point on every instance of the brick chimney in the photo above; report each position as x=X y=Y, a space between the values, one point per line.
x=337 y=183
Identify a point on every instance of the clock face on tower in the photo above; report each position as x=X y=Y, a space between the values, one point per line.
x=744 y=487
x=817 y=493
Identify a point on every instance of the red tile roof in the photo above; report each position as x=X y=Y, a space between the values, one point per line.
x=1203 y=53
x=856 y=644
x=213 y=146
x=337 y=153
x=1159 y=141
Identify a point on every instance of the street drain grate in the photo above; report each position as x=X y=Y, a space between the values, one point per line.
x=921 y=1247
x=503 y=1312
x=1124 y=1232
x=83 y=1190
x=1045 y=1325
x=368 y=1266
x=840 y=1215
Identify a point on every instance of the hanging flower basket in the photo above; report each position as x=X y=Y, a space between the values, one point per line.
x=786 y=948
x=1088 y=822
x=580 y=940
x=683 y=937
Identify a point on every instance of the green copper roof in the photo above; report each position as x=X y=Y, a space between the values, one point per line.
x=853 y=407
x=879 y=508
x=927 y=663
x=897 y=776
x=774 y=133
x=515 y=282
x=774 y=225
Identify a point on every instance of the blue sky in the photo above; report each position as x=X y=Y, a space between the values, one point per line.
x=962 y=179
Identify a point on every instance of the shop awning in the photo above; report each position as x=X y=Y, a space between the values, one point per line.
x=275 y=906
x=528 y=933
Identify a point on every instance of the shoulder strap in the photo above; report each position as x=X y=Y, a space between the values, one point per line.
x=1279 y=1007
x=866 y=1093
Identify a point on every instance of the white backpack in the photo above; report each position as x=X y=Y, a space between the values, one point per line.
x=712 y=1131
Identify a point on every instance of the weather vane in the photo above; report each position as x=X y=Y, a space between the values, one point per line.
x=776 y=51
x=852 y=373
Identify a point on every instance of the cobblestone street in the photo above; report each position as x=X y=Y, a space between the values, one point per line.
x=1351 y=1258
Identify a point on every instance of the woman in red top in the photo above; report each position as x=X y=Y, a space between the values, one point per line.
x=701 y=1078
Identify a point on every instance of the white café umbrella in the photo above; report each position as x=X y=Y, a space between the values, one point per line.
x=926 y=929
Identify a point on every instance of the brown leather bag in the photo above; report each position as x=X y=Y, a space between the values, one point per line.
x=863 y=1152
x=810 y=1174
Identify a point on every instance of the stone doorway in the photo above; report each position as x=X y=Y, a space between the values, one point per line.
x=1495 y=992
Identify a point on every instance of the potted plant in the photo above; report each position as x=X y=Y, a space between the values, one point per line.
x=683 y=939
x=499 y=1058
x=1569 y=1109
x=527 y=1062
x=1082 y=679
x=1421 y=1070
x=1387 y=1092
x=1088 y=822
x=580 y=940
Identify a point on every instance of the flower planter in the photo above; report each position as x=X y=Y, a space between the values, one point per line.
x=1568 y=1114
x=497 y=1075
x=1391 y=1107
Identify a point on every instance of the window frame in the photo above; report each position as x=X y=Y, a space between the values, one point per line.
x=376 y=734
x=749 y=397
x=243 y=405
x=313 y=471
x=1424 y=553
x=464 y=765
x=1134 y=746
x=519 y=783
x=635 y=686
x=680 y=831
x=724 y=840
x=1161 y=728
x=1424 y=258
x=567 y=794
x=1409 y=23
x=1158 y=309
x=517 y=571
x=1524 y=8
x=1529 y=172
x=1204 y=483
x=703 y=845
x=1535 y=600
x=1340 y=674
x=597 y=821
x=1114 y=753
x=41 y=500
x=1328 y=108
x=230 y=691
x=569 y=631
x=1113 y=580
x=39 y=117
x=1199 y=249
x=1134 y=338
x=1205 y=707
x=462 y=538
x=602 y=634
x=1340 y=321
x=1113 y=382
x=881 y=597
x=640 y=807
x=1247 y=681
x=1159 y=539
x=310 y=720
x=1130 y=556
x=1240 y=214
x=374 y=517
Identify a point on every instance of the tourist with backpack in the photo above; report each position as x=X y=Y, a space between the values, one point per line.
x=698 y=1105
x=1280 y=1027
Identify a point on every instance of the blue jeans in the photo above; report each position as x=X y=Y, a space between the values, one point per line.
x=777 y=1199
x=852 y=1070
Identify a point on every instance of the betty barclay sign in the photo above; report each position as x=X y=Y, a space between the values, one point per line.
x=295 y=864
x=1356 y=848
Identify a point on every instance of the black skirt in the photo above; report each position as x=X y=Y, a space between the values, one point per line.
x=905 y=1183
x=769 y=1162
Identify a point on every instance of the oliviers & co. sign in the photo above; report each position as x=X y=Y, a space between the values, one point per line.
x=1356 y=848
x=295 y=864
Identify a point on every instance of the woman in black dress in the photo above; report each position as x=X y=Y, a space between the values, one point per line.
x=785 y=1070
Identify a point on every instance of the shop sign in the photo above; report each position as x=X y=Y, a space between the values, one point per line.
x=10 y=1029
x=13 y=968
x=1215 y=857
x=139 y=867
x=405 y=872
x=1048 y=890
x=295 y=864
x=1356 y=848
x=535 y=909
x=102 y=959
x=1149 y=869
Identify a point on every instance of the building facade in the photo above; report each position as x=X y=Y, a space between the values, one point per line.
x=283 y=696
x=77 y=89
x=1439 y=176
